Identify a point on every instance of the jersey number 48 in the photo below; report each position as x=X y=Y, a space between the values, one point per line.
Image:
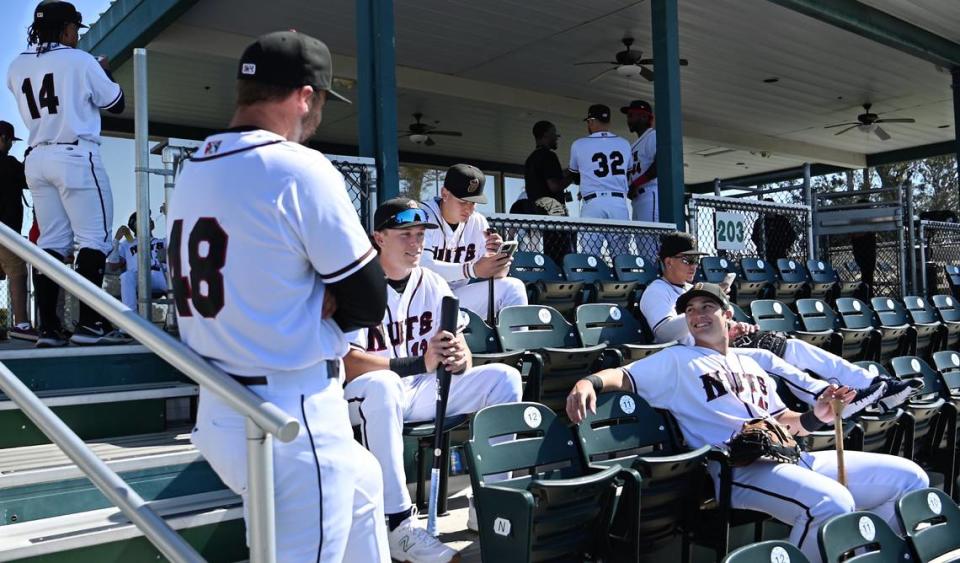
x=206 y=255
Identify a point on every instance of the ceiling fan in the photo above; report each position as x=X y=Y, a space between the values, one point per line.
x=628 y=63
x=420 y=133
x=867 y=122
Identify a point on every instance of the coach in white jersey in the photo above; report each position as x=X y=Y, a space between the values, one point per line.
x=262 y=240
x=642 y=175
x=679 y=257
x=599 y=163
x=124 y=259
x=463 y=250
x=712 y=392
x=60 y=91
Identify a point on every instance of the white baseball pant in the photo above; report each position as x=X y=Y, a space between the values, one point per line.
x=381 y=401
x=128 y=286
x=830 y=367
x=71 y=197
x=328 y=491
x=476 y=296
x=605 y=207
x=807 y=494
x=645 y=206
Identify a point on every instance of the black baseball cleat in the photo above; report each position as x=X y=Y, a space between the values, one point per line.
x=98 y=334
x=51 y=339
x=900 y=391
x=865 y=397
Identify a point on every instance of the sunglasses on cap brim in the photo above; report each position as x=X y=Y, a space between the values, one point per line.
x=408 y=217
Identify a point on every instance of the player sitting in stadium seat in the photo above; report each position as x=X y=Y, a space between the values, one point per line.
x=391 y=370
x=124 y=259
x=462 y=249
x=679 y=257
x=712 y=392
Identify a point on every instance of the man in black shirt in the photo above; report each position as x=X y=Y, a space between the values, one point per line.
x=12 y=184
x=545 y=185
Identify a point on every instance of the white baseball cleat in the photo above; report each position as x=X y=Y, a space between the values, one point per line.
x=411 y=544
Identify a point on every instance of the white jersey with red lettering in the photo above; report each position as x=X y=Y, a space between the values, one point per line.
x=643 y=153
x=451 y=251
x=128 y=252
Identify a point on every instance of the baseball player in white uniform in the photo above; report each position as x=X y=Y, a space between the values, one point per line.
x=391 y=370
x=679 y=257
x=642 y=175
x=463 y=250
x=60 y=91
x=712 y=392
x=263 y=244
x=124 y=259
x=599 y=162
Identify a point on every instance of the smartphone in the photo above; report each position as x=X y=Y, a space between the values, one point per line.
x=508 y=247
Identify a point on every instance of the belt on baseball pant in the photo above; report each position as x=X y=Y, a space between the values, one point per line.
x=333 y=372
x=588 y=197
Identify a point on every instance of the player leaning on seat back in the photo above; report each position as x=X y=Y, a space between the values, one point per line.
x=462 y=250
x=391 y=370
x=713 y=392
x=679 y=257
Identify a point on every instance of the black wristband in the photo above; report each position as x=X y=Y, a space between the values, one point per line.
x=406 y=367
x=810 y=422
x=596 y=382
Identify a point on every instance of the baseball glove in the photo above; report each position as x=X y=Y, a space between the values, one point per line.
x=762 y=438
x=775 y=342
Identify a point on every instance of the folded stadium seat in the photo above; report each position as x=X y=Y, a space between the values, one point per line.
x=545 y=282
x=625 y=431
x=755 y=269
x=824 y=281
x=947 y=363
x=856 y=315
x=845 y=534
x=485 y=347
x=930 y=422
x=713 y=269
x=765 y=552
x=621 y=332
x=753 y=282
x=952 y=273
x=637 y=269
x=792 y=271
x=931 y=520
x=921 y=313
x=774 y=316
x=544 y=332
x=894 y=340
x=740 y=315
x=949 y=314
x=858 y=337
x=924 y=337
x=554 y=507
x=598 y=278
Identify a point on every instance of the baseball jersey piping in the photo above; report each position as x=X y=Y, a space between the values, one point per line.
x=362 y=260
x=235 y=151
x=103 y=211
x=114 y=102
x=38 y=53
x=316 y=461
x=806 y=509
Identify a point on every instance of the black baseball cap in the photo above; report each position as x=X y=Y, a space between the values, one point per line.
x=6 y=130
x=56 y=11
x=711 y=291
x=639 y=105
x=289 y=58
x=465 y=182
x=401 y=213
x=676 y=244
x=599 y=112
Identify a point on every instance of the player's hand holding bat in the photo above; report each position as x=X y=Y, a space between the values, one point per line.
x=824 y=408
x=447 y=350
x=582 y=398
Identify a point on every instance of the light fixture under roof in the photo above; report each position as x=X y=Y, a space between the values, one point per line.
x=629 y=71
x=418 y=139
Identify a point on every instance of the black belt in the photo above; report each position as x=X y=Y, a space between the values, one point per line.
x=333 y=372
x=588 y=197
x=27 y=152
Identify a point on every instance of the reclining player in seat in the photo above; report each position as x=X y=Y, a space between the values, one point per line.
x=391 y=370
x=679 y=258
x=713 y=391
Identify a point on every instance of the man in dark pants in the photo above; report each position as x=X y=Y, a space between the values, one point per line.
x=865 y=253
x=545 y=185
x=12 y=184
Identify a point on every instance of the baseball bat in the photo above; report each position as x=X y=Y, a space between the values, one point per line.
x=838 y=432
x=449 y=311
x=491 y=313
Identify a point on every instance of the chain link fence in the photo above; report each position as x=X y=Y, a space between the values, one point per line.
x=852 y=258
x=735 y=228
x=938 y=246
x=557 y=236
x=360 y=178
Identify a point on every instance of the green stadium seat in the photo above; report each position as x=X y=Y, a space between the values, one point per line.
x=824 y=281
x=598 y=278
x=554 y=507
x=614 y=326
x=545 y=282
x=952 y=273
x=864 y=533
x=920 y=312
x=636 y=269
x=923 y=338
x=713 y=269
x=947 y=362
x=785 y=291
x=773 y=551
x=753 y=281
x=856 y=316
x=949 y=314
x=931 y=520
x=852 y=344
x=775 y=316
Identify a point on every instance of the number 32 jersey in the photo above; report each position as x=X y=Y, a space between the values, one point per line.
x=257 y=227
x=602 y=160
x=60 y=94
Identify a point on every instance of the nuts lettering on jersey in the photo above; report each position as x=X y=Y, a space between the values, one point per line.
x=401 y=332
x=457 y=255
x=749 y=387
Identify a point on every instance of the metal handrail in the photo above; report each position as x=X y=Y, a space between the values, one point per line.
x=264 y=418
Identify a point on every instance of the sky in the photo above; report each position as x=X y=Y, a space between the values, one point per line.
x=117 y=154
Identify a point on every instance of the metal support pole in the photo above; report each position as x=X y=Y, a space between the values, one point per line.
x=142 y=164
x=666 y=90
x=911 y=243
x=692 y=219
x=260 y=505
x=716 y=187
x=901 y=223
x=169 y=542
x=810 y=199
x=923 y=260
x=955 y=84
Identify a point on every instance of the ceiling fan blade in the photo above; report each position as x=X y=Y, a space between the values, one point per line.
x=599 y=76
x=646 y=73
x=881 y=133
x=684 y=62
x=405 y=134
x=645 y=62
x=596 y=63
x=842 y=131
x=841 y=125
x=429 y=142
x=448 y=133
x=897 y=120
